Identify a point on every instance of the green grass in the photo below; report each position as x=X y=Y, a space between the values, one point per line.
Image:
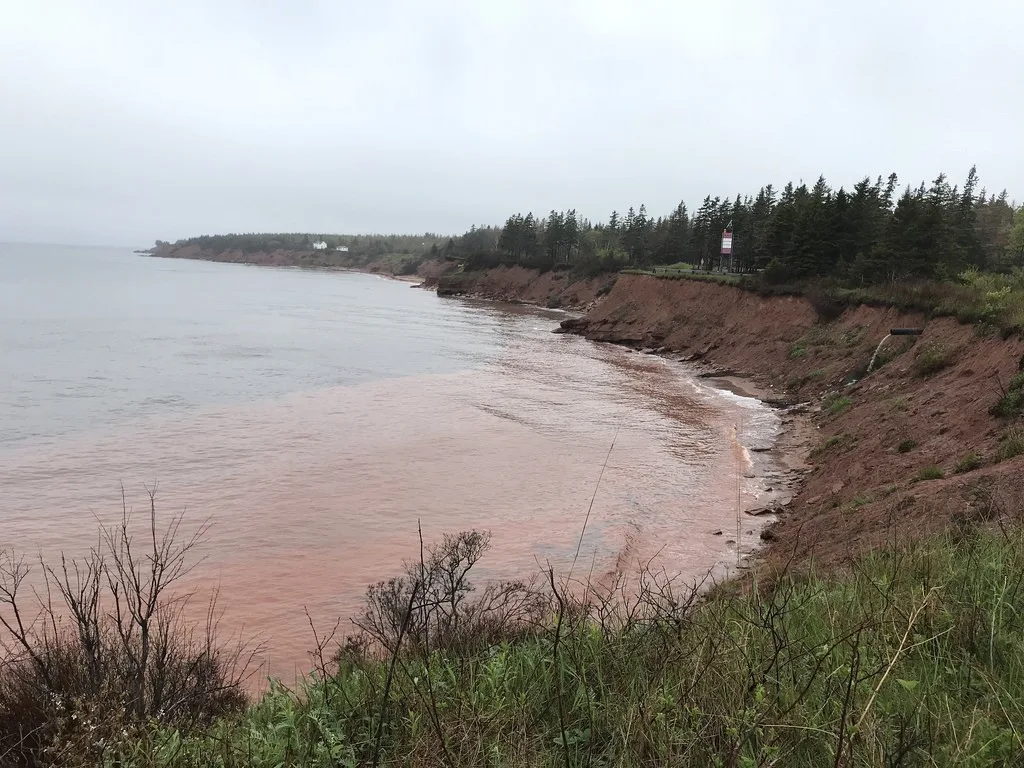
x=931 y=358
x=913 y=653
x=1011 y=404
x=821 y=337
x=1011 y=444
x=985 y=299
x=907 y=446
x=857 y=502
x=836 y=404
x=988 y=300
x=928 y=473
x=723 y=278
x=969 y=462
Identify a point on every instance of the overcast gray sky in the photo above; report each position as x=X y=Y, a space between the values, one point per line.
x=126 y=120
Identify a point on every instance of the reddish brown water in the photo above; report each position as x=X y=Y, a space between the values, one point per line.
x=313 y=494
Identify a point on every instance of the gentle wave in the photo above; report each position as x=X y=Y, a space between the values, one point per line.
x=316 y=459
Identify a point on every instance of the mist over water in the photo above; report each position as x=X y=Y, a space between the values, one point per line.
x=314 y=418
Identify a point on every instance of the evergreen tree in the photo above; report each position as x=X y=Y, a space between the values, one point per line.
x=570 y=236
x=864 y=234
x=704 y=235
x=780 y=233
x=811 y=247
x=1016 y=236
x=672 y=246
x=759 y=227
x=905 y=249
x=554 y=235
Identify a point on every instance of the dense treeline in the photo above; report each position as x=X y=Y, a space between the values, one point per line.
x=369 y=246
x=870 y=233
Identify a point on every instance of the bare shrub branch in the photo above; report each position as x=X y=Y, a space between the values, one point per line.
x=107 y=643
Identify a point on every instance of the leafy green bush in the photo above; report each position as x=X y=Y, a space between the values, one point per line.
x=604 y=261
x=835 y=404
x=932 y=358
x=969 y=462
x=975 y=298
x=907 y=446
x=827 y=302
x=1011 y=404
x=998 y=294
x=928 y=473
x=1011 y=444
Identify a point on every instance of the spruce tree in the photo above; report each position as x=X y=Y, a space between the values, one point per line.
x=1016 y=236
x=570 y=235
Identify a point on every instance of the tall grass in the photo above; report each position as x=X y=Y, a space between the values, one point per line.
x=672 y=273
x=910 y=658
x=991 y=300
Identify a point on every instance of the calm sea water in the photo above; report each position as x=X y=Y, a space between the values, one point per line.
x=315 y=418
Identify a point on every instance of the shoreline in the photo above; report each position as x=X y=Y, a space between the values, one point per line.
x=797 y=433
x=788 y=454
x=790 y=448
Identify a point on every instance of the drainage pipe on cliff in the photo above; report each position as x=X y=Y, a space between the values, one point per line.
x=892 y=332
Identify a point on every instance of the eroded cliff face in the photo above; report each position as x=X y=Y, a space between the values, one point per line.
x=521 y=285
x=926 y=405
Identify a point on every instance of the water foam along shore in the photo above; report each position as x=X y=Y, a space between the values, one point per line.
x=772 y=448
x=776 y=461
